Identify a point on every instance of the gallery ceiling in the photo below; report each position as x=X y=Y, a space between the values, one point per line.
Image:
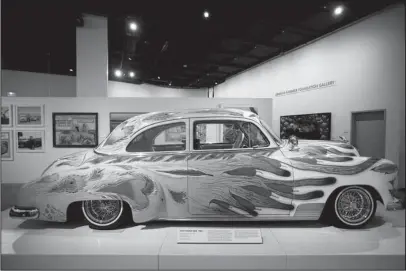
x=187 y=44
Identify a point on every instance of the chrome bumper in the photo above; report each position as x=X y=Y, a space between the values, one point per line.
x=24 y=212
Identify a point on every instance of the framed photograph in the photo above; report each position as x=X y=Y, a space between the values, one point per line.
x=6 y=115
x=117 y=118
x=30 y=141
x=308 y=126
x=29 y=115
x=75 y=130
x=7 y=146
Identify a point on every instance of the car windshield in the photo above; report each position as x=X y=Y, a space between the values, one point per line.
x=271 y=132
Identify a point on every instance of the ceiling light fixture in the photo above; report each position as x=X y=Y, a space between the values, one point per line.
x=132 y=74
x=206 y=14
x=129 y=58
x=133 y=26
x=185 y=66
x=159 y=77
x=170 y=83
x=118 y=73
x=338 y=10
x=71 y=70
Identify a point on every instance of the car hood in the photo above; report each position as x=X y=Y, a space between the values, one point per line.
x=321 y=147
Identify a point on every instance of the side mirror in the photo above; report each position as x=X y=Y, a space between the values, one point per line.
x=293 y=142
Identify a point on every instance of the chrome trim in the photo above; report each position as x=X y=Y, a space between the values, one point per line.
x=24 y=212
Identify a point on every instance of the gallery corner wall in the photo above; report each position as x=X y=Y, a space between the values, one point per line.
x=365 y=62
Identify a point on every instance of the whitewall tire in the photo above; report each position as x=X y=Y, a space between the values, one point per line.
x=104 y=214
x=354 y=207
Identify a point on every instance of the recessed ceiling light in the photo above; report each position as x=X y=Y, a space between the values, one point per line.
x=118 y=73
x=185 y=66
x=170 y=83
x=133 y=26
x=129 y=58
x=206 y=14
x=71 y=70
x=132 y=74
x=215 y=83
x=338 y=10
x=159 y=77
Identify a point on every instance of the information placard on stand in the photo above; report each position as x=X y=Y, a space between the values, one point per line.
x=219 y=236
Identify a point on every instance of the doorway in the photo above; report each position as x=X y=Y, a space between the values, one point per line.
x=368 y=132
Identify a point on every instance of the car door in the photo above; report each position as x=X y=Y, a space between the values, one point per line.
x=233 y=175
x=160 y=152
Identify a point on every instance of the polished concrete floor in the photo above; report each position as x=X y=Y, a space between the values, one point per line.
x=28 y=245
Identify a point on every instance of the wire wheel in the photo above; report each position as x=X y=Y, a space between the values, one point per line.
x=102 y=213
x=354 y=206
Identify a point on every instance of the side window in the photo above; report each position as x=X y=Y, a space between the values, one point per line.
x=255 y=138
x=168 y=137
x=210 y=135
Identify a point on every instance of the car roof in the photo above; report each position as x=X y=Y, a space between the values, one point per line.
x=156 y=117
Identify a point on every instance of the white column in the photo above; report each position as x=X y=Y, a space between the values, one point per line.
x=92 y=57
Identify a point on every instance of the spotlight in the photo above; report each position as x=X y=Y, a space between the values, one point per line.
x=118 y=73
x=159 y=77
x=133 y=26
x=132 y=74
x=71 y=70
x=170 y=83
x=206 y=14
x=338 y=10
x=129 y=58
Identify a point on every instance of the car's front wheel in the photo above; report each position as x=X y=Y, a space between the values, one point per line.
x=352 y=207
x=104 y=214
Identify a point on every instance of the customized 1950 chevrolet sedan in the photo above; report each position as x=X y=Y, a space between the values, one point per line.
x=208 y=164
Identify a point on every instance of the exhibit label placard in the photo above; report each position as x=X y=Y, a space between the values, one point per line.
x=219 y=236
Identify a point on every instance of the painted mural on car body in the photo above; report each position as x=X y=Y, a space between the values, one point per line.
x=274 y=182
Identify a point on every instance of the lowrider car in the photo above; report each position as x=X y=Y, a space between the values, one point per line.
x=227 y=165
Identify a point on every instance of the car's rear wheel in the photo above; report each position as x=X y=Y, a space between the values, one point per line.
x=353 y=207
x=104 y=214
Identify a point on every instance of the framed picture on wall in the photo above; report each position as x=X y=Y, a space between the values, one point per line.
x=6 y=115
x=116 y=118
x=30 y=140
x=7 y=146
x=29 y=115
x=307 y=126
x=75 y=130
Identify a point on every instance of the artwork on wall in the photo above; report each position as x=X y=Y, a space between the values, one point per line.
x=75 y=130
x=29 y=115
x=308 y=126
x=7 y=146
x=6 y=115
x=30 y=141
x=117 y=118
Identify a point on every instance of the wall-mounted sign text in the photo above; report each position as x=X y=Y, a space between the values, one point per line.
x=306 y=88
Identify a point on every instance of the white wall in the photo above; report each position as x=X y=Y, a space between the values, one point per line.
x=120 y=89
x=30 y=84
x=92 y=57
x=26 y=167
x=367 y=61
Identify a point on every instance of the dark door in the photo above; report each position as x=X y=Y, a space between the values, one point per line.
x=368 y=133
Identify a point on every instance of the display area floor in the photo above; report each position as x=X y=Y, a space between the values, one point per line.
x=28 y=245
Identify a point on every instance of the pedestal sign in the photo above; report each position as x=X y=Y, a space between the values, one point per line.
x=219 y=236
